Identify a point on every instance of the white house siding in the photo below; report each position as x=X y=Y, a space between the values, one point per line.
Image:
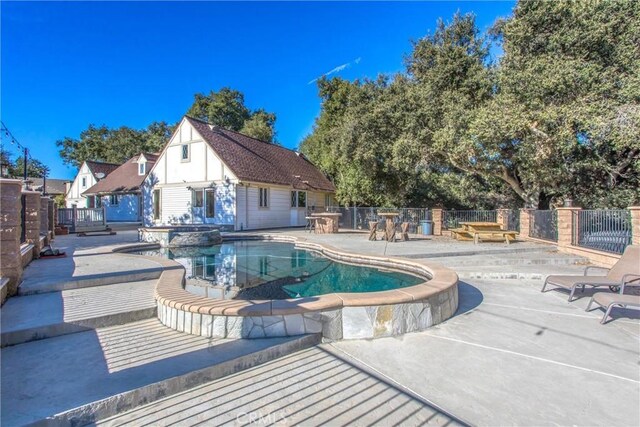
x=74 y=196
x=172 y=176
x=127 y=209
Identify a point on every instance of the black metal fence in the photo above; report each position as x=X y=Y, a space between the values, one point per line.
x=513 y=220
x=359 y=218
x=606 y=230
x=543 y=224
x=453 y=218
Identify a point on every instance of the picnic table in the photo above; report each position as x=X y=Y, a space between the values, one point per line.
x=326 y=222
x=477 y=231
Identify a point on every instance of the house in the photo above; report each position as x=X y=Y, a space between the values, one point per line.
x=89 y=174
x=210 y=175
x=54 y=187
x=120 y=192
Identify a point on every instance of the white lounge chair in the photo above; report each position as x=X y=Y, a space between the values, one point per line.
x=609 y=301
x=625 y=271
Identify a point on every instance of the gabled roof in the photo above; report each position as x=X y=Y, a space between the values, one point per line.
x=101 y=167
x=257 y=161
x=125 y=178
x=54 y=186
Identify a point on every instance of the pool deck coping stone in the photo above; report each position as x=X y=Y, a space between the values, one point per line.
x=170 y=285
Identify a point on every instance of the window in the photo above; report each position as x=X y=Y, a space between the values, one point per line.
x=98 y=201
x=298 y=199
x=141 y=168
x=198 y=198
x=156 y=204
x=210 y=198
x=185 y=153
x=114 y=200
x=327 y=200
x=84 y=182
x=264 y=197
x=264 y=266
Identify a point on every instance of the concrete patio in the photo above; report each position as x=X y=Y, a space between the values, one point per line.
x=510 y=355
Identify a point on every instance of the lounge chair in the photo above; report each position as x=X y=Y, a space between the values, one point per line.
x=608 y=301
x=626 y=270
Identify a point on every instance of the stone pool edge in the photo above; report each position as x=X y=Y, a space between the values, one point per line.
x=337 y=316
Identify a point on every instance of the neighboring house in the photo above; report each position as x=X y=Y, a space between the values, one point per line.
x=89 y=173
x=54 y=187
x=210 y=175
x=120 y=192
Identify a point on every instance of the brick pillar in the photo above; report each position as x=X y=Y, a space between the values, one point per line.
x=437 y=217
x=502 y=218
x=567 y=220
x=635 y=224
x=44 y=215
x=32 y=224
x=10 y=230
x=525 y=221
x=51 y=214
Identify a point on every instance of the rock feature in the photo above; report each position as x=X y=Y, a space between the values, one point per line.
x=195 y=238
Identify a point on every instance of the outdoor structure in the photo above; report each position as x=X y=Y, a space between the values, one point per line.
x=210 y=175
x=89 y=174
x=120 y=193
x=26 y=225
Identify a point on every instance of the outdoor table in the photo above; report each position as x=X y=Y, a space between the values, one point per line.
x=390 y=226
x=476 y=230
x=326 y=222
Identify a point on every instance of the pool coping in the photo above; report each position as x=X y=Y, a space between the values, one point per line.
x=170 y=290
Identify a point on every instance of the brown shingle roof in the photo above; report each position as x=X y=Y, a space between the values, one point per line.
x=54 y=186
x=101 y=167
x=125 y=178
x=258 y=161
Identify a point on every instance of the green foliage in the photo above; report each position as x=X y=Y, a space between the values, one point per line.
x=226 y=108
x=101 y=143
x=15 y=168
x=558 y=116
x=59 y=200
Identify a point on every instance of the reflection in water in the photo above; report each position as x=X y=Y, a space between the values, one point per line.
x=269 y=270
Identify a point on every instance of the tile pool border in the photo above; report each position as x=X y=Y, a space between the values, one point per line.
x=337 y=316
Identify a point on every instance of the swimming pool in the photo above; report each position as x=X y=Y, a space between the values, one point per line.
x=256 y=270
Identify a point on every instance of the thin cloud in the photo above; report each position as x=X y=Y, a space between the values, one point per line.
x=337 y=69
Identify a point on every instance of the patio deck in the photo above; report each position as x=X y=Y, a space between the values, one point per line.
x=510 y=355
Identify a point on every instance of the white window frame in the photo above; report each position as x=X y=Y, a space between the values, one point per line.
x=113 y=197
x=297 y=199
x=157 y=193
x=83 y=182
x=142 y=167
x=263 y=197
x=194 y=197
x=182 y=157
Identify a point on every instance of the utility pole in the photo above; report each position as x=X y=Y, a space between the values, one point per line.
x=26 y=153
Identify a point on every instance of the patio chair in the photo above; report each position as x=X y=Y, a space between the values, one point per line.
x=609 y=301
x=625 y=271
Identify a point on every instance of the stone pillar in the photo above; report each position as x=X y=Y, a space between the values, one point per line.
x=437 y=217
x=635 y=224
x=567 y=221
x=32 y=223
x=525 y=222
x=502 y=218
x=10 y=230
x=44 y=215
x=51 y=214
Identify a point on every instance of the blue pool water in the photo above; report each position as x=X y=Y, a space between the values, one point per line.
x=269 y=270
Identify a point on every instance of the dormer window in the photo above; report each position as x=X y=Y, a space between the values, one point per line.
x=141 y=168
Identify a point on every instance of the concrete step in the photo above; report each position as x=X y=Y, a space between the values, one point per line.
x=80 y=378
x=317 y=386
x=34 y=317
x=85 y=270
x=537 y=259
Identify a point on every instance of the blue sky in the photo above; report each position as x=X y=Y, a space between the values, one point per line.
x=66 y=65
